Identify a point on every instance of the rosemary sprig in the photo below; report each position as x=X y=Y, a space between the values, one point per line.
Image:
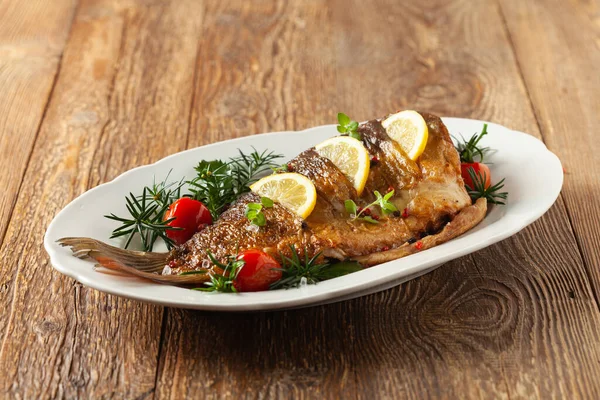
x=247 y=168
x=213 y=186
x=164 y=193
x=469 y=149
x=363 y=213
x=254 y=211
x=217 y=184
x=223 y=282
x=348 y=126
x=479 y=191
x=296 y=270
x=146 y=220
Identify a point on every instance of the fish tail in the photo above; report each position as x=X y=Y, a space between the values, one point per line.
x=147 y=265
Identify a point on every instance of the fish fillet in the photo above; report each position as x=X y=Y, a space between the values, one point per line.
x=433 y=205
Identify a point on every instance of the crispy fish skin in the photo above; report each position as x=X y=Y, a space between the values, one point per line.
x=332 y=186
x=429 y=192
x=393 y=168
x=233 y=232
x=333 y=232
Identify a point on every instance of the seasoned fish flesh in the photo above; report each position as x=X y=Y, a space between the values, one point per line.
x=429 y=194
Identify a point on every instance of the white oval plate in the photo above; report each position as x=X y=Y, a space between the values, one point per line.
x=533 y=175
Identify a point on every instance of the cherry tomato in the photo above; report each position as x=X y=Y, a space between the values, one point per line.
x=479 y=168
x=257 y=273
x=189 y=214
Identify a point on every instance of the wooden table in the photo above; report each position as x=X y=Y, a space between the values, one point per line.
x=90 y=89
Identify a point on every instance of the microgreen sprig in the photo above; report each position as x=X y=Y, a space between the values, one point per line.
x=348 y=126
x=479 y=191
x=223 y=282
x=254 y=211
x=383 y=202
x=296 y=270
x=469 y=149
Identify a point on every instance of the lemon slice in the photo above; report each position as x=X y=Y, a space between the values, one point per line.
x=409 y=129
x=293 y=191
x=350 y=156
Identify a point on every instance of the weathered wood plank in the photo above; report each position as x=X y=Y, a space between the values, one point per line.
x=558 y=47
x=505 y=327
x=261 y=67
x=122 y=99
x=515 y=320
x=254 y=73
x=32 y=37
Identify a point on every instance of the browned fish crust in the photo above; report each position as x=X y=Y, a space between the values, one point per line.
x=392 y=168
x=233 y=232
x=332 y=185
x=429 y=193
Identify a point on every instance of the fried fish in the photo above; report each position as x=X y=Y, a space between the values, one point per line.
x=429 y=194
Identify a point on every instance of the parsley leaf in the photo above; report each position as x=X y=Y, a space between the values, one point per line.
x=348 y=126
x=254 y=211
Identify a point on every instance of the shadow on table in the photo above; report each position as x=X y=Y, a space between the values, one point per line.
x=448 y=317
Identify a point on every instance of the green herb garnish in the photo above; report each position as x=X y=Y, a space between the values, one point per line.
x=469 y=149
x=213 y=186
x=281 y=168
x=247 y=168
x=146 y=219
x=254 y=211
x=266 y=202
x=348 y=126
x=296 y=270
x=217 y=183
x=383 y=202
x=479 y=190
x=164 y=193
x=223 y=282
x=363 y=213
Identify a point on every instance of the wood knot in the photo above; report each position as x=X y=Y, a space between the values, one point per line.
x=47 y=326
x=446 y=86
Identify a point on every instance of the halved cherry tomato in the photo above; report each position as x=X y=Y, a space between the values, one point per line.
x=479 y=168
x=190 y=215
x=257 y=273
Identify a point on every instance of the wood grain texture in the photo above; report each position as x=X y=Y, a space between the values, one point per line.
x=255 y=73
x=513 y=321
x=260 y=68
x=558 y=47
x=32 y=37
x=141 y=79
x=122 y=99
